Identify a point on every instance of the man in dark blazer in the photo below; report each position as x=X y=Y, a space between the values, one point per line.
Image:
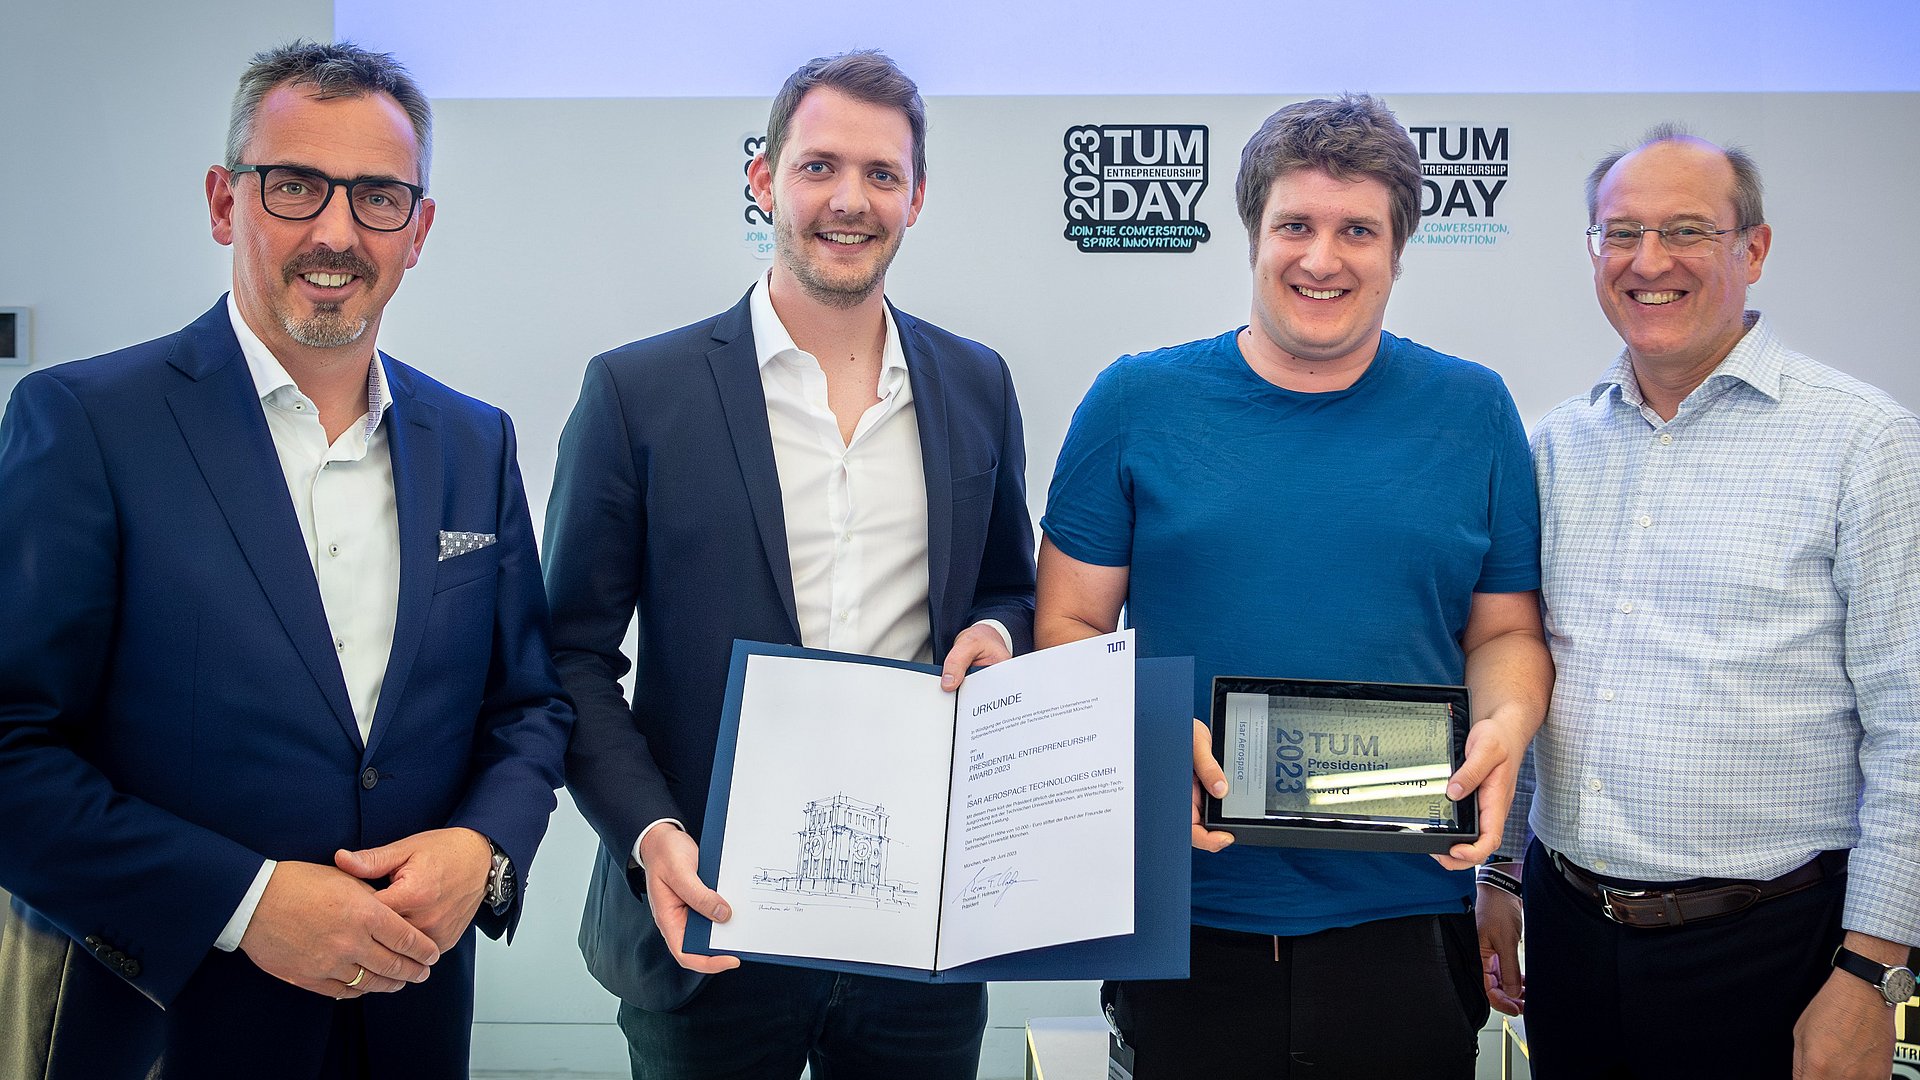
x=278 y=720
x=811 y=467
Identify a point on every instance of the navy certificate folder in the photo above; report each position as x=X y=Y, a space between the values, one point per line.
x=1157 y=948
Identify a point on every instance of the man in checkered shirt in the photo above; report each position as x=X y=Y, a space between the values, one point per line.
x=1725 y=873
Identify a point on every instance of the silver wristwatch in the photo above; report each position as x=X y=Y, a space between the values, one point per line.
x=499 y=894
x=1894 y=983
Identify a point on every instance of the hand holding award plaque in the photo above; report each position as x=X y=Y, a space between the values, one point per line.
x=1340 y=764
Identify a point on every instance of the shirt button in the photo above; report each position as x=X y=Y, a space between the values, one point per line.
x=1666 y=439
x=339 y=645
x=1593 y=785
x=1600 y=864
x=369 y=778
x=333 y=550
x=1606 y=695
x=843 y=616
x=1646 y=522
x=1626 y=608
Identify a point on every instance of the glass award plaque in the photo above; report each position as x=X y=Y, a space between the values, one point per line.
x=1351 y=765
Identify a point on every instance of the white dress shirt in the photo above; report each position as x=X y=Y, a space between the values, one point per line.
x=856 y=511
x=343 y=496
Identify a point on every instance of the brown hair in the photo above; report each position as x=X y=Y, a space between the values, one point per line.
x=868 y=75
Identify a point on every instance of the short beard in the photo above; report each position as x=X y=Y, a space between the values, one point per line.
x=787 y=246
x=826 y=295
x=327 y=328
x=324 y=330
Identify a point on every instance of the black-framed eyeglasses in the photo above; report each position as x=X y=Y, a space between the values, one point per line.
x=1682 y=239
x=292 y=193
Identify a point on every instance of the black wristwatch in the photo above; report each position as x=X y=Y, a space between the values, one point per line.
x=1894 y=983
x=499 y=894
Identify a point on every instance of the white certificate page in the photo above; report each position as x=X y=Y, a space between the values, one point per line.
x=837 y=811
x=1041 y=841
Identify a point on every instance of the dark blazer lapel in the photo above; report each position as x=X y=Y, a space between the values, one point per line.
x=220 y=419
x=930 y=413
x=736 y=374
x=419 y=483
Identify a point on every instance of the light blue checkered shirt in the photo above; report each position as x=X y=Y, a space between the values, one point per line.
x=1733 y=602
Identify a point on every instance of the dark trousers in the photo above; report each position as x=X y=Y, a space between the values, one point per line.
x=1712 y=998
x=764 y=1022
x=346 y=1054
x=1394 y=998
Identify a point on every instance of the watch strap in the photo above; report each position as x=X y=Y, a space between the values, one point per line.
x=1895 y=984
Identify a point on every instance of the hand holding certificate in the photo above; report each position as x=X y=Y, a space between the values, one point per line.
x=863 y=818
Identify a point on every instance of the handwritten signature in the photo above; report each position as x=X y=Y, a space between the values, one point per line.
x=996 y=884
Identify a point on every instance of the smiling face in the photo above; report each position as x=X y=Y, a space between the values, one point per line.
x=841 y=195
x=319 y=284
x=1323 y=267
x=1678 y=317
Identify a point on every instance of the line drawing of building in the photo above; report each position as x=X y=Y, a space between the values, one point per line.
x=842 y=851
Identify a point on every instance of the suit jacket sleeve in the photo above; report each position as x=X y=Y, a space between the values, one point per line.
x=521 y=734
x=147 y=891
x=1005 y=589
x=595 y=551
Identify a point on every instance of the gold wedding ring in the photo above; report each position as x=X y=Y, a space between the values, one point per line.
x=360 y=973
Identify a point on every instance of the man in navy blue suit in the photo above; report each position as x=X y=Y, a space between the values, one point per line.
x=813 y=467
x=278 y=720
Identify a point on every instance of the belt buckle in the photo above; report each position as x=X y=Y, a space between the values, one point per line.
x=1607 y=895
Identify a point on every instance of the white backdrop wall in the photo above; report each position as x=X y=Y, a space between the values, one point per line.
x=568 y=226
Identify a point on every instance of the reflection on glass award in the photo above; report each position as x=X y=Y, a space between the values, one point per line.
x=1339 y=759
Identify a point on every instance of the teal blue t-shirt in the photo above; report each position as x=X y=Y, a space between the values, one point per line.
x=1339 y=535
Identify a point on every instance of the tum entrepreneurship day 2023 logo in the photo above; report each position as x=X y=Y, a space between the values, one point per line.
x=1135 y=187
x=758 y=235
x=1464 y=173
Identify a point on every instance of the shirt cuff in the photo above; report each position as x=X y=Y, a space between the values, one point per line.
x=1006 y=637
x=633 y=858
x=236 y=927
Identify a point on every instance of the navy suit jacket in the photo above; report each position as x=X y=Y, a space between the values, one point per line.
x=171 y=709
x=666 y=503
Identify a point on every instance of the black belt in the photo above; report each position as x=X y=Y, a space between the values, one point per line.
x=1655 y=906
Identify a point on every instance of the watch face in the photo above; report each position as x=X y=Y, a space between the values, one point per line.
x=1899 y=986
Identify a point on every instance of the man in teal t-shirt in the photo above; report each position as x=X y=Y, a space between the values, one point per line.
x=1311 y=497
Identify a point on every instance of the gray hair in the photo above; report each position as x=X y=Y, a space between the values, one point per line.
x=337 y=69
x=1354 y=138
x=1747 y=211
x=867 y=75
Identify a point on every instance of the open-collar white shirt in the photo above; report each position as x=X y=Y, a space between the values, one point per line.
x=855 y=510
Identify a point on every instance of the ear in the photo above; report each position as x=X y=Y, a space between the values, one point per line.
x=1759 y=242
x=919 y=196
x=220 y=204
x=422 y=221
x=760 y=181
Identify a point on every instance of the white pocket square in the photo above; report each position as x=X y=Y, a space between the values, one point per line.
x=459 y=543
